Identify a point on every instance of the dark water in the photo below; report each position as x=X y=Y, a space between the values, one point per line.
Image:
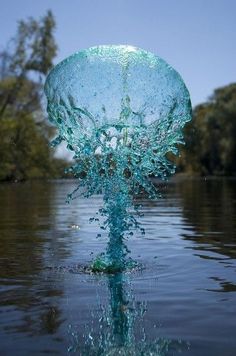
x=182 y=301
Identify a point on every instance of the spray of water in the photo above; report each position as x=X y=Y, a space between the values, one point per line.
x=119 y=327
x=121 y=110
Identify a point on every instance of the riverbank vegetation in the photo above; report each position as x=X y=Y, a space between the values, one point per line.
x=24 y=132
x=210 y=137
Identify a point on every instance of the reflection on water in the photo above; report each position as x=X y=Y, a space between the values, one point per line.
x=186 y=290
x=210 y=208
x=120 y=327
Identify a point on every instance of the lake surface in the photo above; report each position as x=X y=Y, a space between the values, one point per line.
x=182 y=301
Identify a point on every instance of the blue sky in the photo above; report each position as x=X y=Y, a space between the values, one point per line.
x=197 y=37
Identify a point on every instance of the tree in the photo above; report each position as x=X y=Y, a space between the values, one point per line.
x=210 y=138
x=33 y=50
x=24 y=135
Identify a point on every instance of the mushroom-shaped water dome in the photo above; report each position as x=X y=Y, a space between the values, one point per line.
x=114 y=90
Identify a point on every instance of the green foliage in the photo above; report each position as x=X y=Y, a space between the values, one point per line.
x=24 y=148
x=210 y=138
x=34 y=46
x=24 y=135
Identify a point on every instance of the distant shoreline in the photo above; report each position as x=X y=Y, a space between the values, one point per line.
x=175 y=178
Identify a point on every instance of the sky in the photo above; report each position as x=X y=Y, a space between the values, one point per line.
x=196 y=37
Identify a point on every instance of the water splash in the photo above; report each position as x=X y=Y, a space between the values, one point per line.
x=121 y=110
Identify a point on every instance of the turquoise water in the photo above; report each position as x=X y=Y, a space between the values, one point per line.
x=121 y=110
x=184 y=298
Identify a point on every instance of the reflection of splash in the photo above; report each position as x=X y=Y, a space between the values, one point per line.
x=120 y=328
